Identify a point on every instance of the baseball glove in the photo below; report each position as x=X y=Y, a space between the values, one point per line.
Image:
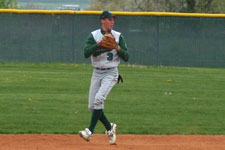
x=108 y=42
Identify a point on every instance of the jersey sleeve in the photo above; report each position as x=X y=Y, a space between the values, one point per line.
x=90 y=46
x=123 y=53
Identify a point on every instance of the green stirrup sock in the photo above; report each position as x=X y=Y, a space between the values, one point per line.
x=96 y=114
x=105 y=121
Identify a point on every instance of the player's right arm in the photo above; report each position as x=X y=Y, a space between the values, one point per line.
x=90 y=46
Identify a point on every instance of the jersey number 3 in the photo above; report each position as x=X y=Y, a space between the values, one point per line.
x=110 y=56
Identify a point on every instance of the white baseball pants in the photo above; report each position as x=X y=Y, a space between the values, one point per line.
x=101 y=84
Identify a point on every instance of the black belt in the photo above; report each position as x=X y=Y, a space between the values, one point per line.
x=103 y=68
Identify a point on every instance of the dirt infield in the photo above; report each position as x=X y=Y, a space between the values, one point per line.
x=100 y=142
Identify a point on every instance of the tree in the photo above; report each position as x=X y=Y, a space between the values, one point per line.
x=201 y=6
x=8 y=3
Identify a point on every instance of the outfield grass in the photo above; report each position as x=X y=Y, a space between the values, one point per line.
x=52 y=98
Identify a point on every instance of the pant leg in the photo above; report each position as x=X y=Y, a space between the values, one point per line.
x=94 y=87
x=109 y=79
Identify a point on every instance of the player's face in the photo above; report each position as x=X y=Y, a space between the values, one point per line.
x=107 y=24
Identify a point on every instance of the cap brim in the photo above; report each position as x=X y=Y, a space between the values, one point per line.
x=115 y=17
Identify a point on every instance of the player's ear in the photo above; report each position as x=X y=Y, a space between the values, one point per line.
x=102 y=21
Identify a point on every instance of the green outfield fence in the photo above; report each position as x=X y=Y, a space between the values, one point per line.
x=171 y=39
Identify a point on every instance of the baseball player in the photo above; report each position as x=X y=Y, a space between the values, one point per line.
x=106 y=47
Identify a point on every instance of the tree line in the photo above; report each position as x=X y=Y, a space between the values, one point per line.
x=54 y=1
x=190 y=6
x=34 y=3
x=8 y=4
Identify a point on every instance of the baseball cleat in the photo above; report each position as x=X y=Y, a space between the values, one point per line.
x=112 y=134
x=85 y=134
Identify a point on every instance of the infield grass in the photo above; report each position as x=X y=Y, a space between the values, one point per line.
x=53 y=98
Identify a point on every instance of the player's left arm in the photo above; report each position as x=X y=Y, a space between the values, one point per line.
x=123 y=52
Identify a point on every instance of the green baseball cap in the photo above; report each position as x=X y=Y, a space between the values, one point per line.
x=107 y=14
